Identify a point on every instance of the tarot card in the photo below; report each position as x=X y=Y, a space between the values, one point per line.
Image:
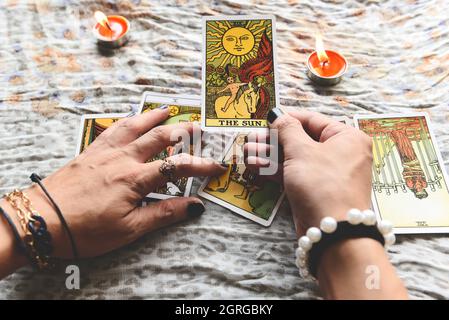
x=182 y=109
x=242 y=191
x=92 y=125
x=239 y=84
x=410 y=185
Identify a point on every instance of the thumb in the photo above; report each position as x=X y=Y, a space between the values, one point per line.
x=290 y=130
x=163 y=213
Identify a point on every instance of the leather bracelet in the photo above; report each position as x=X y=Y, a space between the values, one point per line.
x=37 y=179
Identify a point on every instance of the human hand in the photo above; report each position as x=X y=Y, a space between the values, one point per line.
x=326 y=168
x=99 y=192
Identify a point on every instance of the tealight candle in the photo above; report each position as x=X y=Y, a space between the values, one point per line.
x=111 y=31
x=325 y=67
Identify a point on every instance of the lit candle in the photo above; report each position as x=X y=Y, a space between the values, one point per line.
x=111 y=31
x=325 y=67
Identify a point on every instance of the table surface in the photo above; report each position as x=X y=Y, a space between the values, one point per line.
x=52 y=73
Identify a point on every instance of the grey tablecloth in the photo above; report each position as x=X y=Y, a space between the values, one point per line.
x=51 y=73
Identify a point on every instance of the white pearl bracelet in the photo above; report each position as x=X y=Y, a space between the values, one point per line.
x=329 y=225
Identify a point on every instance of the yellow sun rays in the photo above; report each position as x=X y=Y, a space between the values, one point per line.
x=217 y=55
x=212 y=34
x=255 y=25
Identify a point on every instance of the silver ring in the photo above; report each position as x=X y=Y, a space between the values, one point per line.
x=167 y=169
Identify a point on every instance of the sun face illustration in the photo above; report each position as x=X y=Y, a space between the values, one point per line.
x=234 y=44
x=238 y=41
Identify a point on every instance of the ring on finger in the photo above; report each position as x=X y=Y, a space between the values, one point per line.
x=167 y=169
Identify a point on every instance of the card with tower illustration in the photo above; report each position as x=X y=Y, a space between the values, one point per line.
x=409 y=182
x=253 y=196
x=183 y=108
x=239 y=84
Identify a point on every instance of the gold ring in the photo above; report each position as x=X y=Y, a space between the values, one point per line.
x=167 y=169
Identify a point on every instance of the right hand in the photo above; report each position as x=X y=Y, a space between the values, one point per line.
x=326 y=169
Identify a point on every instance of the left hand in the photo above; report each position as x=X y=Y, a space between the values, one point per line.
x=99 y=192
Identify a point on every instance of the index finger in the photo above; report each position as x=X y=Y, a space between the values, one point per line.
x=160 y=137
x=129 y=129
x=317 y=125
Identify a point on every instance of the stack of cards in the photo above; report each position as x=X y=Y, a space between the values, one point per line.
x=239 y=87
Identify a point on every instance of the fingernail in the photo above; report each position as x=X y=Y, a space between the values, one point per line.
x=246 y=139
x=224 y=164
x=131 y=114
x=195 y=209
x=273 y=114
x=164 y=106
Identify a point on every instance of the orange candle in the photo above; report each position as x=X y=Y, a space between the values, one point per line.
x=325 y=67
x=111 y=31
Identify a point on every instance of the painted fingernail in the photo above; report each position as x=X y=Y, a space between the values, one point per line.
x=195 y=209
x=164 y=106
x=246 y=139
x=274 y=114
x=224 y=164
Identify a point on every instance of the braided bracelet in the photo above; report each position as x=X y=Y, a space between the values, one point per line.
x=360 y=224
x=37 y=240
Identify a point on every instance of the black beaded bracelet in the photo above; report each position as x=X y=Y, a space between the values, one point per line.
x=42 y=237
x=360 y=224
x=37 y=179
x=20 y=245
x=344 y=231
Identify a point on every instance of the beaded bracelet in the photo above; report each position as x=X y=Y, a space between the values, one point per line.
x=38 y=241
x=359 y=225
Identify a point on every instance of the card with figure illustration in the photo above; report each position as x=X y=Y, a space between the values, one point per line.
x=241 y=190
x=409 y=181
x=239 y=84
x=92 y=125
x=183 y=108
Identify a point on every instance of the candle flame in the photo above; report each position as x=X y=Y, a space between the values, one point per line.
x=102 y=19
x=319 y=47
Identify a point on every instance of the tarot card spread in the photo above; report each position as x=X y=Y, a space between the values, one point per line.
x=239 y=67
x=241 y=190
x=409 y=182
x=181 y=109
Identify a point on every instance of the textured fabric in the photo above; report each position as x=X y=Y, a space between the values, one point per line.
x=51 y=72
